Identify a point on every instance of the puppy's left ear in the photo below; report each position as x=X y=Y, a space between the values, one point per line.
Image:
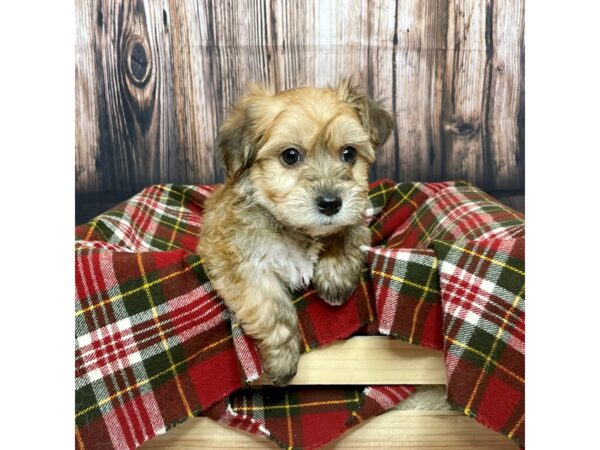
x=374 y=118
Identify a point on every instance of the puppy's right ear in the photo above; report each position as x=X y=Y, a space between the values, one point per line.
x=238 y=136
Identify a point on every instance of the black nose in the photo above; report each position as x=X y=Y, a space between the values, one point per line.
x=329 y=205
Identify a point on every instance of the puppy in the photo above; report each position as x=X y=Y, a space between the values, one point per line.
x=291 y=209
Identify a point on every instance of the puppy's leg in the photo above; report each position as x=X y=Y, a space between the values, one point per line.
x=266 y=313
x=338 y=270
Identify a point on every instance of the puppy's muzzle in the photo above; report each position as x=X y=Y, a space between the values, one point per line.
x=328 y=204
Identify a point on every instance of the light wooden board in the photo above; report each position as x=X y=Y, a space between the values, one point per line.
x=391 y=430
x=370 y=360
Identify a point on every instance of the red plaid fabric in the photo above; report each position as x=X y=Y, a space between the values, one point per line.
x=452 y=277
x=149 y=334
x=154 y=344
x=483 y=292
x=302 y=417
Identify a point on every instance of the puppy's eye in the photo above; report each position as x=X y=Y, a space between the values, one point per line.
x=349 y=155
x=290 y=156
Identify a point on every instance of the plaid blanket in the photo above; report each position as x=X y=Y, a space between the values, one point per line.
x=155 y=344
x=305 y=417
x=451 y=275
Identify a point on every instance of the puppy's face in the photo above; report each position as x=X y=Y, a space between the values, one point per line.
x=304 y=154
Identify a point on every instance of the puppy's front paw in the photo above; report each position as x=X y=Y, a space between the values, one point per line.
x=335 y=279
x=280 y=362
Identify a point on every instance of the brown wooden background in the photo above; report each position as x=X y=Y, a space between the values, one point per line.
x=156 y=78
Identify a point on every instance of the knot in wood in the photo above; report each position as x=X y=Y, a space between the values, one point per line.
x=138 y=63
x=461 y=128
x=465 y=129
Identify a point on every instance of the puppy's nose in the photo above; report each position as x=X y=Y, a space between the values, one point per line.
x=329 y=205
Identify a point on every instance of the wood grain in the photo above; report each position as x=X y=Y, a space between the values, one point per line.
x=505 y=100
x=391 y=430
x=87 y=123
x=419 y=60
x=197 y=108
x=381 y=81
x=463 y=90
x=156 y=78
x=369 y=360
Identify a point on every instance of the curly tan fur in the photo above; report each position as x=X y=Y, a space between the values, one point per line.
x=263 y=234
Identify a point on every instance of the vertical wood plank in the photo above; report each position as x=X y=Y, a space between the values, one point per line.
x=419 y=61
x=464 y=85
x=293 y=43
x=161 y=140
x=115 y=164
x=380 y=83
x=259 y=55
x=341 y=39
x=195 y=84
x=134 y=90
x=504 y=131
x=86 y=104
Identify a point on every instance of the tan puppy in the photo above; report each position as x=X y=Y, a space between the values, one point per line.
x=291 y=210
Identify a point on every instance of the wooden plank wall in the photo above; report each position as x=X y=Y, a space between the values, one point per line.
x=156 y=78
